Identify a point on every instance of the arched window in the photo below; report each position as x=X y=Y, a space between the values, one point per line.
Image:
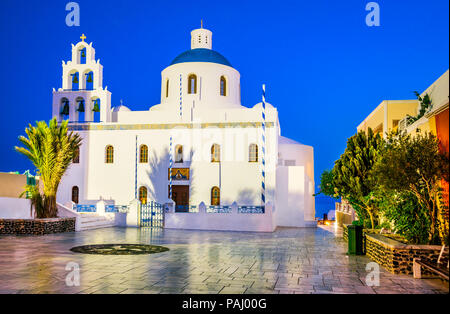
x=143 y=154
x=109 y=154
x=215 y=196
x=75 y=194
x=223 y=86
x=253 y=153
x=179 y=153
x=143 y=195
x=76 y=156
x=167 y=88
x=192 y=84
x=215 y=153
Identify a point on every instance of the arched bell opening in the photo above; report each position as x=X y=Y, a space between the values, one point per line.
x=80 y=109
x=82 y=55
x=95 y=109
x=89 y=80
x=74 y=80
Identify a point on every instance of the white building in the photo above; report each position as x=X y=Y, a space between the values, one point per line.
x=217 y=145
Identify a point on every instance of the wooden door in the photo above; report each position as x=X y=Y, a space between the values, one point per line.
x=180 y=195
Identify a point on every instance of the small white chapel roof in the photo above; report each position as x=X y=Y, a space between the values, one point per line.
x=287 y=141
x=120 y=108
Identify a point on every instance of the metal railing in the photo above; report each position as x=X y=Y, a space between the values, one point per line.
x=218 y=209
x=84 y=208
x=186 y=209
x=251 y=209
x=116 y=208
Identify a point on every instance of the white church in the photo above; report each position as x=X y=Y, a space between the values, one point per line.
x=218 y=164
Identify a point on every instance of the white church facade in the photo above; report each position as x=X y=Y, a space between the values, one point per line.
x=218 y=164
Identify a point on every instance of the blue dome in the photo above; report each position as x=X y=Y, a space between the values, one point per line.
x=201 y=55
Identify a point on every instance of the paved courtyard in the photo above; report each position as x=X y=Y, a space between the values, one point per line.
x=287 y=261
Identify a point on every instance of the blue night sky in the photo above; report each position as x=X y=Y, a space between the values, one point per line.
x=324 y=69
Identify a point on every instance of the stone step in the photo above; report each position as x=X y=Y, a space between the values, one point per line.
x=89 y=221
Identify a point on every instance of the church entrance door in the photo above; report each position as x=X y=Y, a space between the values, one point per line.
x=180 y=195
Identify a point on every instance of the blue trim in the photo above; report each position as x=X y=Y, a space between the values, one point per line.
x=201 y=55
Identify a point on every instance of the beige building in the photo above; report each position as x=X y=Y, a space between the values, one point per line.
x=12 y=184
x=387 y=115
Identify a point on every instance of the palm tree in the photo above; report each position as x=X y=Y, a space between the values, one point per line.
x=51 y=149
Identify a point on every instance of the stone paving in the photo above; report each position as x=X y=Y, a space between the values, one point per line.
x=308 y=260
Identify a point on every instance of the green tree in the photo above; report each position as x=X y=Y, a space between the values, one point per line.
x=352 y=174
x=415 y=165
x=327 y=184
x=51 y=149
x=405 y=215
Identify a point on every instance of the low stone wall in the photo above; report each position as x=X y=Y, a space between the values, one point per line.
x=36 y=226
x=397 y=257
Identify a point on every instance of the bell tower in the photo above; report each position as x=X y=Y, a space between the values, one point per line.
x=82 y=98
x=201 y=38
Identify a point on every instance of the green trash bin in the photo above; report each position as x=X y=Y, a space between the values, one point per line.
x=355 y=240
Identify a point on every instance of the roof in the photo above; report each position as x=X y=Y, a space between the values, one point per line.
x=120 y=108
x=201 y=55
x=287 y=141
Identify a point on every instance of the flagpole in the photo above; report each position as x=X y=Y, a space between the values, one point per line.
x=263 y=148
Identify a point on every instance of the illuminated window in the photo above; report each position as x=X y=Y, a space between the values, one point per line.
x=75 y=194
x=109 y=154
x=179 y=153
x=215 y=196
x=167 y=88
x=215 y=153
x=192 y=84
x=143 y=195
x=223 y=86
x=253 y=153
x=76 y=156
x=143 y=154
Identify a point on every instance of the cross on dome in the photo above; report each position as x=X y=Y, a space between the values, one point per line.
x=83 y=37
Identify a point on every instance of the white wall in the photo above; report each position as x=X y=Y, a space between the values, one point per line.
x=238 y=179
x=233 y=221
x=15 y=208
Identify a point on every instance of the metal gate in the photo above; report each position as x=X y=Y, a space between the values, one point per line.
x=151 y=215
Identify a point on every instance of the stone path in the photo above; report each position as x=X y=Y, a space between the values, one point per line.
x=287 y=261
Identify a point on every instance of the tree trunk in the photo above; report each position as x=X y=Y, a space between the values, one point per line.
x=51 y=210
x=369 y=211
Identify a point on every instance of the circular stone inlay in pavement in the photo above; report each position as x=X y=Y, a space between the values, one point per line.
x=119 y=249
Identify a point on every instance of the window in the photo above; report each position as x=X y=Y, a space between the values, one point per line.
x=167 y=88
x=75 y=194
x=179 y=153
x=109 y=154
x=253 y=153
x=143 y=154
x=215 y=153
x=223 y=86
x=215 y=196
x=192 y=84
x=395 y=123
x=76 y=156
x=289 y=163
x=143 y=195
